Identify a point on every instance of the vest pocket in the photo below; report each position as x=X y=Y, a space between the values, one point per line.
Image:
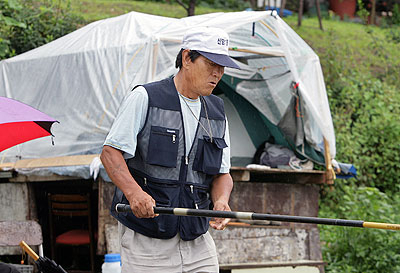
x=195 y=196
x=209 y=155
x=166 y=195
x=163 y=147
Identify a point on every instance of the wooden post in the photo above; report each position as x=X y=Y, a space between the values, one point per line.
x=330 y=173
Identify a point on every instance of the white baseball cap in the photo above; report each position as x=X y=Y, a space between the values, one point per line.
x=211 y=42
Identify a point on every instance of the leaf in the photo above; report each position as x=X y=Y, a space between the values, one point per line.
x=13 y=4
x=12 y=22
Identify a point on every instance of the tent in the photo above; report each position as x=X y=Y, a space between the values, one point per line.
x=81 y=78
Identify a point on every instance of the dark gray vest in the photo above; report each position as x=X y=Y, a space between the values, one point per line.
x=161 y=168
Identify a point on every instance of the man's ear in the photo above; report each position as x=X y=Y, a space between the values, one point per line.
x=186 y=61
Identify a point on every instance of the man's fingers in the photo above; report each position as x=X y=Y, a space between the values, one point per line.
x=142 y=205
x=143 y=210
x=220 y=223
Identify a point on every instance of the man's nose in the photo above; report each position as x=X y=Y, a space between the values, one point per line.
x=218 y=71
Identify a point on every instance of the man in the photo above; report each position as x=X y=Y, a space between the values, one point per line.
x=169 y=147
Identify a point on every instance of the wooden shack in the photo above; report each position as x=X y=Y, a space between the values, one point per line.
x=257 y=245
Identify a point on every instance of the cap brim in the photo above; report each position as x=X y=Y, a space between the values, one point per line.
x=220 y=59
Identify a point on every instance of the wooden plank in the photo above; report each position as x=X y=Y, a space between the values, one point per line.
x=276 y=198
x=51 y=162
x=330 y=173
x=275 y=170
x=274 y=175
x=240 y=175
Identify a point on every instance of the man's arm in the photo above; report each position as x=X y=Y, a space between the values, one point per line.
x=220 y=192
x=141 y=203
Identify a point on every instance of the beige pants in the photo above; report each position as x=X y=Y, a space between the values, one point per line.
x=140 y=253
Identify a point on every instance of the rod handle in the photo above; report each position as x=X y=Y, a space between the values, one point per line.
x=29 y=250
x=126 y=208
x=381 y=225
x=122 y=208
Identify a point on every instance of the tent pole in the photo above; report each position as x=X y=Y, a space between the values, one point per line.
x=254 y=52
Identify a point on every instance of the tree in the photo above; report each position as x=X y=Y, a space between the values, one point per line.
x=189 y=7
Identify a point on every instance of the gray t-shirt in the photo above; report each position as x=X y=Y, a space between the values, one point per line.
x=132 y=116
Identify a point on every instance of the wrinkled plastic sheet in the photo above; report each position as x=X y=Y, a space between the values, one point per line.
x=81 y=78
x=82 y=171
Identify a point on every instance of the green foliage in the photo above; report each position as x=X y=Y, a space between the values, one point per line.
x=356 y=249
x=366 y=106
x=32 y=24
x=395 y=19
x=361 y=67
x=7 y=9
x=362 y=12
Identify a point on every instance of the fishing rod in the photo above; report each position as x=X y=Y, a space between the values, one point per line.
x=261 y=216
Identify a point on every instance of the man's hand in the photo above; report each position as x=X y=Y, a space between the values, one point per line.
x=142 y=204
x=220 y=192
x=220 y=223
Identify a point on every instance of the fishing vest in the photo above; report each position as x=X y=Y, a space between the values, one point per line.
x=162 y=169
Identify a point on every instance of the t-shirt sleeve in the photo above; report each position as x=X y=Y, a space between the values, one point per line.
x=129 y=122
x=226 y=153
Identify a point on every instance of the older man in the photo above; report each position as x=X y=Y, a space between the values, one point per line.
x=169 y=146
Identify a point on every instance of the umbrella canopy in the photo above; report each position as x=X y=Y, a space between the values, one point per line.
x=20 y=123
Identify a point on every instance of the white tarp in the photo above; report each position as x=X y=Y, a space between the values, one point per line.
x=80 y=79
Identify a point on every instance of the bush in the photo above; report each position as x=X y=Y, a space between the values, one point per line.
x=8 y=9
x=365 y=104
x=363 y=250
x=361 y=69
x=33 y=24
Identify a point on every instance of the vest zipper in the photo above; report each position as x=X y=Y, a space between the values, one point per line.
x=167 y=134
x=187 y=160
x=145 y=181
x=195 y=204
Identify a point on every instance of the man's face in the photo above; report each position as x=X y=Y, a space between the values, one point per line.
x=204 y=75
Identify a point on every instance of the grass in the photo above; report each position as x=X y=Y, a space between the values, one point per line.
x=372 y=49
x=100 y=9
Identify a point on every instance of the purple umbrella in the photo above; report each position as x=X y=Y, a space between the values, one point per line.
x=20 y=122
